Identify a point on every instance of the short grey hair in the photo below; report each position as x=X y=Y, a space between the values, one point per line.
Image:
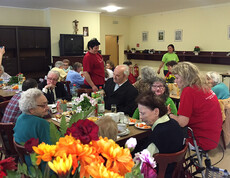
x=126 y=71
x=28 y=99
x=147 y=74
x=54 y=72
x=59 y=64
x=214 y=76
x=2 y=68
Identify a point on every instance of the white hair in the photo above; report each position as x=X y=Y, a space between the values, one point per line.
x=59 y=64
x=28 y=99
x=54 y=72
x=126 y=71
x=214 y=76
x=147 y=73
x=2 y=68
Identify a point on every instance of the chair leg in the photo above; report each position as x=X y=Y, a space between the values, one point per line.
x=222 y=136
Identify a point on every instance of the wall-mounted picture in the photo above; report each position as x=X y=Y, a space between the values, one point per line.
x=161 y=35
x=144 y=36
x=178 y=35
x=85 y=31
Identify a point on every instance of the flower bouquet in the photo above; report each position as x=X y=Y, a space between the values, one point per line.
x=16 y=79
x=196 y=50
x=170 y=78
x=80 y=153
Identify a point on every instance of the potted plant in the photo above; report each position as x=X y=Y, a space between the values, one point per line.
x=133 y=50
x=196 y=50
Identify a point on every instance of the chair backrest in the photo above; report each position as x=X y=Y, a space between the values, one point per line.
x=21 y=151
x=164 y=159
x=67 y=84
x=3 y=107
x=84 y=90
x=6 y=138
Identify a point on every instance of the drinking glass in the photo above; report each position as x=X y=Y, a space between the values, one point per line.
x=113 y=108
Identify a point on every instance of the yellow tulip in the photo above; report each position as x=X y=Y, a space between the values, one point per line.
x=60 y=165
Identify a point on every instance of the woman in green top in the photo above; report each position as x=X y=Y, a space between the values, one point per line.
x=160 y=88
x=169 y=56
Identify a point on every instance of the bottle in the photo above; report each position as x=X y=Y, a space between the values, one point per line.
x=101 y=92
x=74 y=91
x=100 y=106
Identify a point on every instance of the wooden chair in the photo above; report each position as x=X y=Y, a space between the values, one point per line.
x=3 y=107
x=164 y=159
x=67 y=84
x=84 y=90
x=21 y=151
x=6 y=138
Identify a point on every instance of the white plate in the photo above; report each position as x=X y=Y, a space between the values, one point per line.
x=137 y=126
x=52 y=106
x=126 y=132
x=59 y=120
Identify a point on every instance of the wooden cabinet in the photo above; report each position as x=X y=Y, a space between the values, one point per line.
x=74 y=59
x=28 y=50
x=205 y=57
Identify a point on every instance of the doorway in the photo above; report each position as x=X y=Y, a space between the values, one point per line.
x=112 y=48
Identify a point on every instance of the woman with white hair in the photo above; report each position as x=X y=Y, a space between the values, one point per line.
x=218 y=87
x=30 y=124
x=147 y=75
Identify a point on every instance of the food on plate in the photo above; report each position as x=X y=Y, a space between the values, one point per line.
x=132 y=120
x=58 y=115
x=143 y=125
x=94 y=119
x=15 y=87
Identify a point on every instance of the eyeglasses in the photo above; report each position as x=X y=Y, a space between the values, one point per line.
x=52 y=79
x=158 y=86
x=42 y=105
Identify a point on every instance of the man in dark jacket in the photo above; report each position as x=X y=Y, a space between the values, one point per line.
x=53 y=89
x=119 y=91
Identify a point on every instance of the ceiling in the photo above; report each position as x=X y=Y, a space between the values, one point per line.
x=129 y=7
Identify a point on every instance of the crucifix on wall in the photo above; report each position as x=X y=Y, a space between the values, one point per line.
x=75 y=26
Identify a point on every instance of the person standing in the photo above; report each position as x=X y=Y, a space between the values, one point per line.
x=93 y=66
x=169 y=56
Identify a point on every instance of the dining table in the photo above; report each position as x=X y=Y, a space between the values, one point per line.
x=134 y=132
x=7 y=94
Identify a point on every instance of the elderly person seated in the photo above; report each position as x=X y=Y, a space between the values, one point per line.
x=74 y=75
x=3 y=75
x=199 y=106
x=67 y=67
x=12 y=110
x=107 y=127
x=166 y=135
x=30 y=123
x=143 y=83
x=119 y=91
x=219 y=88
x=59 y=65
x=109 y=65
x=159 y=88
x=52 y=89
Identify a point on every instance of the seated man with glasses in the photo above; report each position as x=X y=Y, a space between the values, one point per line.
x=52 y=89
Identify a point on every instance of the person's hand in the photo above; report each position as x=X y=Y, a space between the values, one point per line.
x=158 y=71
x=94 y=88
x=50 y=86
x=169 y=109
x=2 y=50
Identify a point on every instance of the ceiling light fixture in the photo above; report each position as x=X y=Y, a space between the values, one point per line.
x=111 y=8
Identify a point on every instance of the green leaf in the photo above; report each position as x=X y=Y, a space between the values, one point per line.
x=32 y=171
x=75 y=118
x=33 y=158
x=63 y=126
x=47 y=171
x=24 y=169
x=54 y=133
x=13 y=174
x=53 y=176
